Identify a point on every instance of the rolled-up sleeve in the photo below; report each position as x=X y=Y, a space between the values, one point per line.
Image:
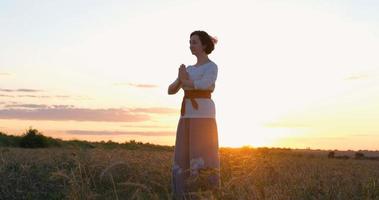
x=208 y=79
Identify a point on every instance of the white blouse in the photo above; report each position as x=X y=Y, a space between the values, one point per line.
x=204 y=78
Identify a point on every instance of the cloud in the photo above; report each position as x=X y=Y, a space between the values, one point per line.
x=28 y=90
x=137 y=85
x=75 y=114
x=5 y=95
x=7 y=102
x=25 y=106
x=34 y=96
x=34 y=106
x=143 y=133
x=5 y=74
x=28 y=94
x=62 y=106
x=20 y=90
x=159 y=110
x=42 y=96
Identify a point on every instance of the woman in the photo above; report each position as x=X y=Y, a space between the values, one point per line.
x=196 y=164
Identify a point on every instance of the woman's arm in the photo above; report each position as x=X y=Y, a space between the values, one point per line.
x=174 y=87
x=207 y=80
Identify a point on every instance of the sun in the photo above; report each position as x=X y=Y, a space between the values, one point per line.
x=234 y=134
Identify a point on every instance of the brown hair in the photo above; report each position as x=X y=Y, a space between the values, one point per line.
x=206 y=40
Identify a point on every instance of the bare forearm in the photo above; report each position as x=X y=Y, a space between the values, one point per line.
x=174 y=87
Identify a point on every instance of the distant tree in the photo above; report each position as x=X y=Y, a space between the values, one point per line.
x=331 y=154
x=110 y=142
x=33 y=139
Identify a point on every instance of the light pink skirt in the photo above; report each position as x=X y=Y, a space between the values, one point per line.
x=196 y=164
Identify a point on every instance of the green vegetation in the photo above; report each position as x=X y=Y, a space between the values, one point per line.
x=32 y=138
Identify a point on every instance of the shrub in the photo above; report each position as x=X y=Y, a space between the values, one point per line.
x=33 y=139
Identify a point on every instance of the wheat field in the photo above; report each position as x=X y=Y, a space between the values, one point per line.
x=246 y=173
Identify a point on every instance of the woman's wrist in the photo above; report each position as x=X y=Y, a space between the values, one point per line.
x=187 y=83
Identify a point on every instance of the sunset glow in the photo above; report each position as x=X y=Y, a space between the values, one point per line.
x=291 y=74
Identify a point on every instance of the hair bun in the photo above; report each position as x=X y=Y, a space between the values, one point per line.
x=214 y=39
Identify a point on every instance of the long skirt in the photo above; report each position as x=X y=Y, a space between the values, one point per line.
x=196 y=164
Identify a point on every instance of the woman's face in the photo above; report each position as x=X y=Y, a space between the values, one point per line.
x=196 y=46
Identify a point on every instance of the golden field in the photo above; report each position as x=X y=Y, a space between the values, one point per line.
x=117 y=173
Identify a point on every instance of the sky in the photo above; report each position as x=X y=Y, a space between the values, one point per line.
x=298 y=74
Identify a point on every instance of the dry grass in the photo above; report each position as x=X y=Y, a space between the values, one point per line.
x=137 y=174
